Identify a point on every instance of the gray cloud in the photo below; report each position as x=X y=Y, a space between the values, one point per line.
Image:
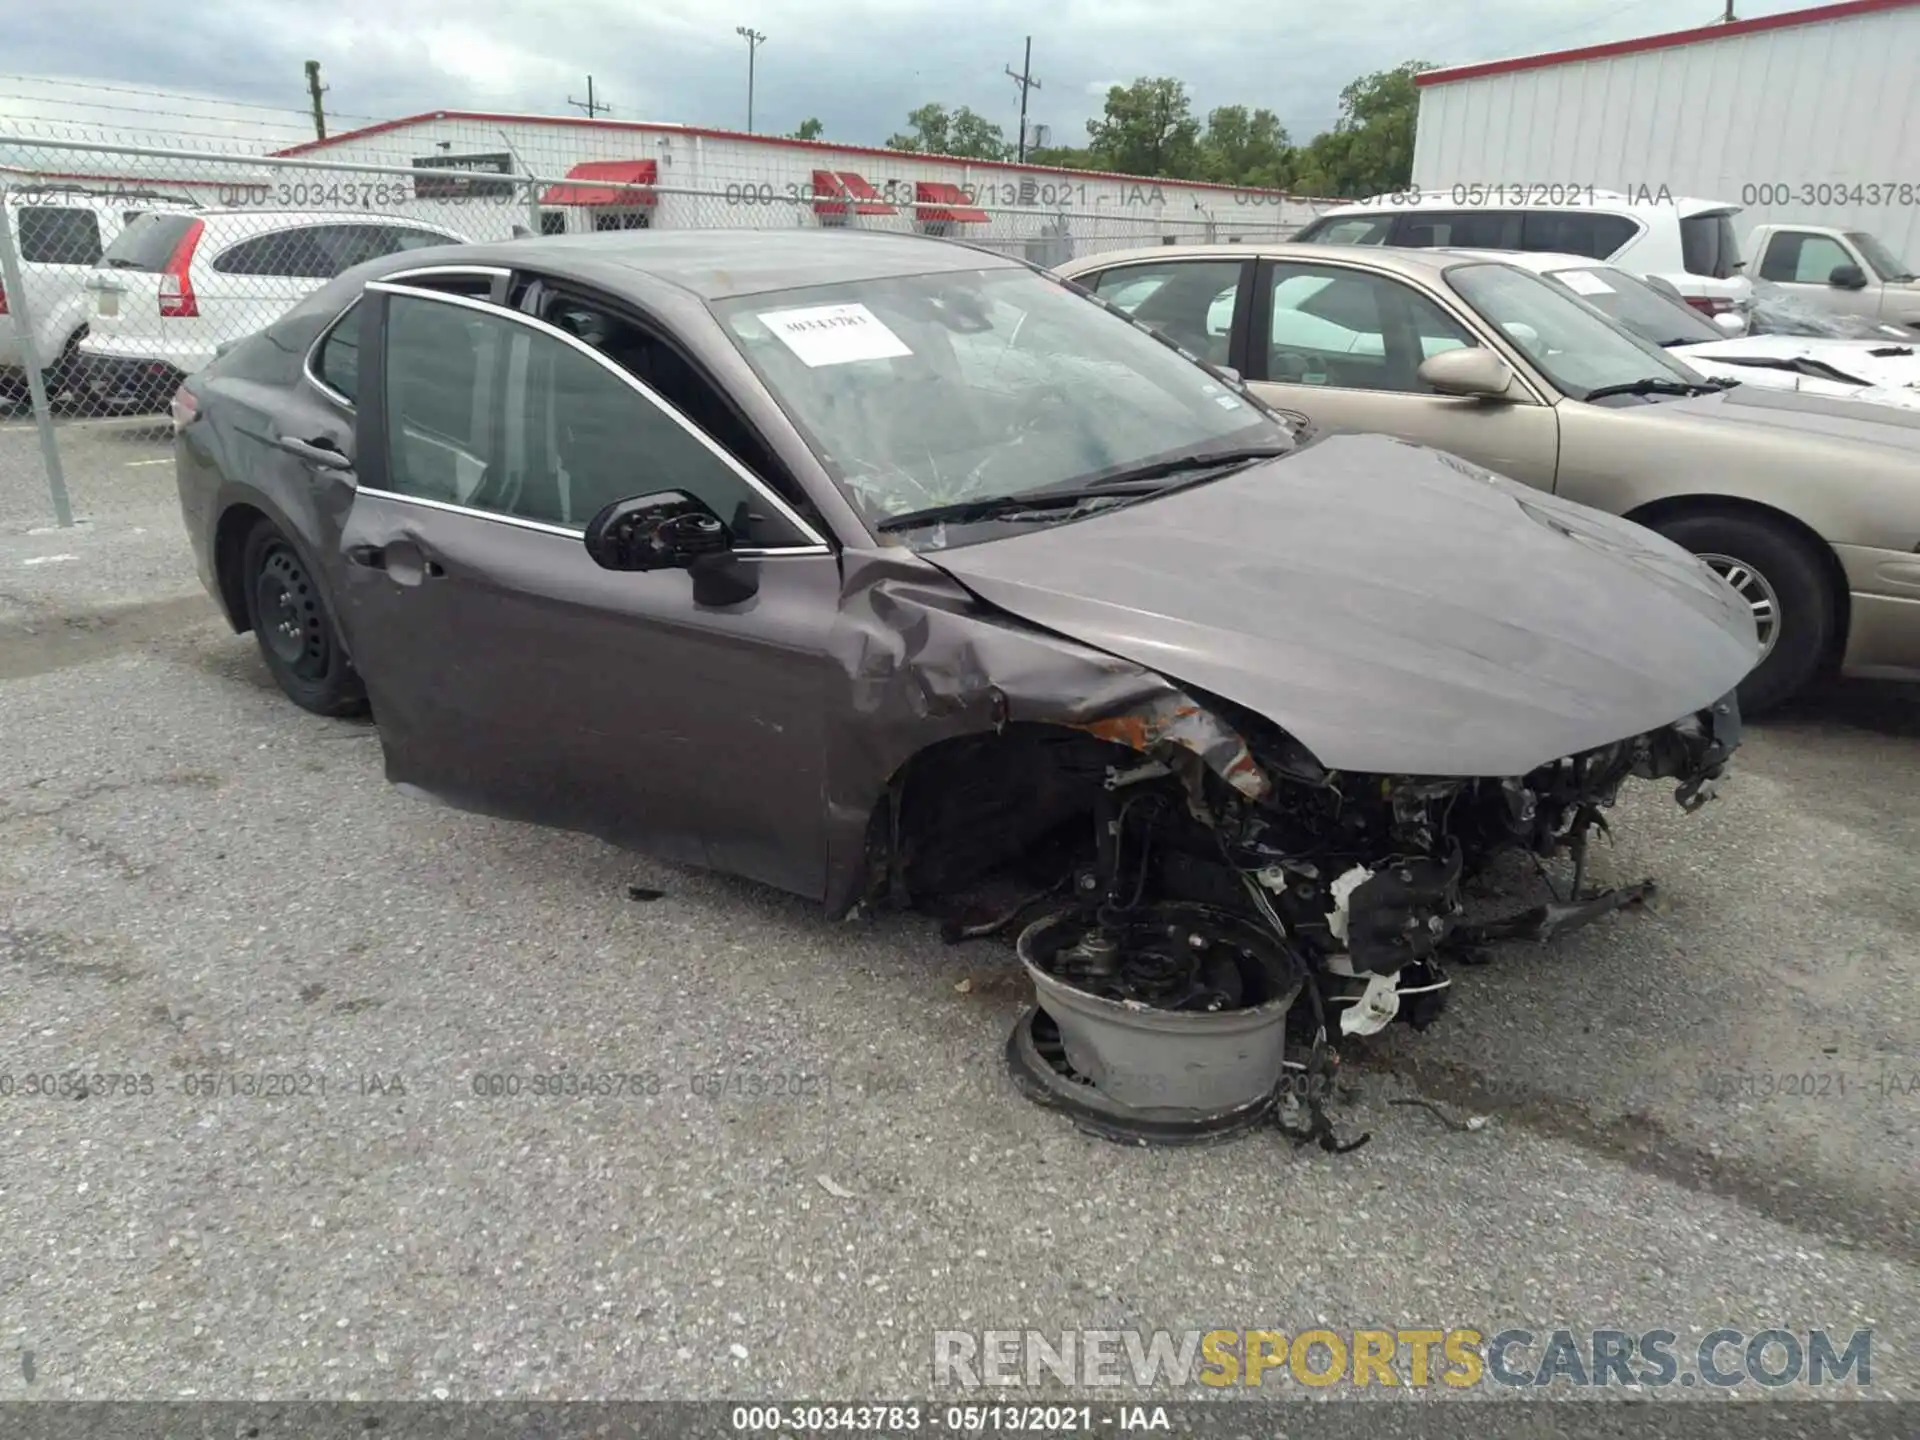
x=859 y=65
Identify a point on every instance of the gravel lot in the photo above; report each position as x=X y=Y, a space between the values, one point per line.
x=197 y=878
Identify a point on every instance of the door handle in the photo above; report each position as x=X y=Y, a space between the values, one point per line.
x=404 y=560
x=320 y=454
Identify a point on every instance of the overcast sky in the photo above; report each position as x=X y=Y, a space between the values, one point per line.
x=859 y=65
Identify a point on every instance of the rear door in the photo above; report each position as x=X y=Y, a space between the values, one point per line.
x=511 y=674
x=1343 y=346
x=1199 y=303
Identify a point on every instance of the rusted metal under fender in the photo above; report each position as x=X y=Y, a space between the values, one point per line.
x=924 y=661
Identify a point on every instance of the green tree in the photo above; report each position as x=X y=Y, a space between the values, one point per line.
x=1239 y=148
x=932 y=130
x=810 y=129
x=1064 y=157
x=1148 y=129
x=1370 y=148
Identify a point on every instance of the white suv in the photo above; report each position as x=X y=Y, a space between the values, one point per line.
x=1689 y=243
x=60 y=233
x=174 y=288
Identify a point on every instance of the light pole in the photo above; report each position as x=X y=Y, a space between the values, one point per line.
x=754 y=40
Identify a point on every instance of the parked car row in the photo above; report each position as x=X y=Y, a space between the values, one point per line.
x=1808 y=279
x=1805 y=503
x=129 y=294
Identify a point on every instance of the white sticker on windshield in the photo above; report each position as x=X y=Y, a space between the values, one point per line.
x=834 y=334
x=1585 y=282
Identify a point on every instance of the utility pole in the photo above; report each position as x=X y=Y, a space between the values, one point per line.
x=316 y=89
x=1026 y=82
x=754 y=41
x=590 y=105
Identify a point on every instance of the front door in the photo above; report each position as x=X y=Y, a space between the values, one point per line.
x=1343 y=346
x=510 y=673
x=1802 y=262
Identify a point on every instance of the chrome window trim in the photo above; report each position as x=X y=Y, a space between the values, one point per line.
x=306 y=362
x=815 y=541
x=568 y=532
x=490 y=271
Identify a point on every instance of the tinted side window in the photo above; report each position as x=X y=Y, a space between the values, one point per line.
x=297 y=253
x=567 y=436
x=337 y=361
x=1797 y=257
x=58 y=235
x=1707 y=246
x=1576 y=232
x=349 y=245
x=1189 y=301
x=1464 y=229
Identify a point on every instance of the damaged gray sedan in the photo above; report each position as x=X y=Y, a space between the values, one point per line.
x=893 y=573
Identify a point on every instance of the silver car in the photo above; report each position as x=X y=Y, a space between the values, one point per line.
x=1809 y=506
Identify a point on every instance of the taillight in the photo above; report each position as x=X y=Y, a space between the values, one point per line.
x=3 y=299
x=1711 y=304
x=184 y=409
x=176 y=289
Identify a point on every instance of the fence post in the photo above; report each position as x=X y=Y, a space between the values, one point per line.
x=21 y=311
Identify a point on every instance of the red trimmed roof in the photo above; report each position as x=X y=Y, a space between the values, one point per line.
x=1671 y=40
x=613 y=173
x=818 y=147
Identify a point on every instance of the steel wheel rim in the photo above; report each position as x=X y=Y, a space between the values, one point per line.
x=291 y=622
x=1757 y=591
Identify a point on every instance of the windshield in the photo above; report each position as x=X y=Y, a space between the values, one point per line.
x=1637 y=306
x=1576 y=348
x=1886 y=264
x=965 y=386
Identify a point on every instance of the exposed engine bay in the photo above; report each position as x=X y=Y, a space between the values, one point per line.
x=1360 y=876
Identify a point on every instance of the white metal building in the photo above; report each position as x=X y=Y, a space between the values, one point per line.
x=1796 y=117
x=706 y=177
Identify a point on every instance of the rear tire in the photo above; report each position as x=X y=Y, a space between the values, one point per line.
x=294 y=628
x=1780 y=574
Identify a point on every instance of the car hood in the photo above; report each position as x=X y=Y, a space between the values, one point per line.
x=1867 y=362
x=1395 y=609
x=1890 y=432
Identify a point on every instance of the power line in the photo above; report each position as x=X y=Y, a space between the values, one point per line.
x=589 y=105
x=1026 y=82
x=171 y=95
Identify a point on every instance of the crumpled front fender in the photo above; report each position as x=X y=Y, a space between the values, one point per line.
x=923 y=662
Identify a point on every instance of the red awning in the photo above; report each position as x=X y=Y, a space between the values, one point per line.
x=610 y=173
x=943 y=200
x=832 y=189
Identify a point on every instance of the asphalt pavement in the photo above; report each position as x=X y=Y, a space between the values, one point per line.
x=807 y=1157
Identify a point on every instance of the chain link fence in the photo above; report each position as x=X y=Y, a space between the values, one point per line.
x=124 y=268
